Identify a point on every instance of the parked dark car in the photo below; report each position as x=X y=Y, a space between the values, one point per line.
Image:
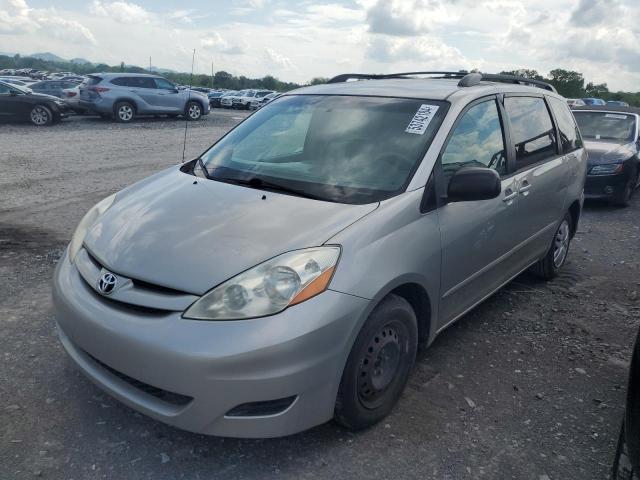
x=52 y=87
x=18 y=104
x=611 y=137
x=627 y=462
x=214 y=99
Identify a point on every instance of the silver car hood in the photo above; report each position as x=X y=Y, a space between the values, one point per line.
x=189 y=234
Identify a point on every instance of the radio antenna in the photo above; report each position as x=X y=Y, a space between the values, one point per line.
x=186 y=120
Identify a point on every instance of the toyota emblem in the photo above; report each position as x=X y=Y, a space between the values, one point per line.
x=107 y=283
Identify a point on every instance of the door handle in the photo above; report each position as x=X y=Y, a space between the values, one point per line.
x=524 y=188
x=509 y=195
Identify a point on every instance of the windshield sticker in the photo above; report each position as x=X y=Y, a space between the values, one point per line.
x=615 y=115
x=421 y=119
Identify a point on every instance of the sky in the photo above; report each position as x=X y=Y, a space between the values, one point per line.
x=299 y=40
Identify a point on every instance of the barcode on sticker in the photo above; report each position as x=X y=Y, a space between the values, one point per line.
x=421 y=119
x=616 y=115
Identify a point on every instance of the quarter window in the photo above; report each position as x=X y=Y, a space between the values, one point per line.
x=531 y=129
x=477 y=141
x=569 y=133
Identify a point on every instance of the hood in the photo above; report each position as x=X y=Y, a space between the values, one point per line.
x=190 y=234
x=601 y=151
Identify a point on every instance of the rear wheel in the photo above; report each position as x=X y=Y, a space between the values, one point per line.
x=124 y=112
x=193 y=111
x=379 y=365
x=41 y=116
x=555 y=258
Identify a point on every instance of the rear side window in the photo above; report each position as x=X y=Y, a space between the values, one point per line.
x=121 y=81
x=569 y=133
x=92 y=80
x=531 y=129
x=476 y=141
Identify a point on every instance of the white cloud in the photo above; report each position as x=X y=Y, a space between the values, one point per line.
x=215 y=42
x=258 y=37
x=125 y=12
x=16 y=18
x=276 y=59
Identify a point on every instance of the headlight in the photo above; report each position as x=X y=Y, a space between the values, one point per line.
x=87 y=221
x=607 y=169
x=269 y=288
x=59 y=103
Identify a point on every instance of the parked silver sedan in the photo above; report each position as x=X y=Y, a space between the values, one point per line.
x=286 y=276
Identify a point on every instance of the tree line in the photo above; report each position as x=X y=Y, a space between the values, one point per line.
x=569 y=83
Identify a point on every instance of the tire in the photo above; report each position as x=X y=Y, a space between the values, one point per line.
x=556 y=256
x=40 y=116
x=623 y=198
x=378 y=366
x=124 y=112
x=622 y=468
x=193 y=111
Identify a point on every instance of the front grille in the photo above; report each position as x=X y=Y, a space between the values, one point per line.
x=164 y=395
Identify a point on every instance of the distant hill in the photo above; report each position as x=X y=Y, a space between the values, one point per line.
x=81 y=61
x=47 y=57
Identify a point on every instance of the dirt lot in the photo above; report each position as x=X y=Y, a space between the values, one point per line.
x=530 y=385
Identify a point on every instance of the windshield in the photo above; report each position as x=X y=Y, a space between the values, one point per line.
x=607 y=126
x=337 y=148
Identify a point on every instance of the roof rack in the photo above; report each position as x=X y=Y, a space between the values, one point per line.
x=466 y=79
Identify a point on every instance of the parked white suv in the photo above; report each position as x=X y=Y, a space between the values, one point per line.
x=244 y=101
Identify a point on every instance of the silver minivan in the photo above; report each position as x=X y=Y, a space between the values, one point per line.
x=286 y=276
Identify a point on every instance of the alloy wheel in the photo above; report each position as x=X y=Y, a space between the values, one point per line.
x=194 y=111
x=561 y=244
x=39 y=116
x=125 y=113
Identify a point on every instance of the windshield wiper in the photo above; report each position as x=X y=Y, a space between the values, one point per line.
x=260 y=184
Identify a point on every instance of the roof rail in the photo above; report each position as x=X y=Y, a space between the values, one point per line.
x=345 y=77
x=466 y=79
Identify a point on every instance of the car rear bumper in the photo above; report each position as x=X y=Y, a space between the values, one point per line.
x=97 y=106
x=190 y=373
x=604 y=186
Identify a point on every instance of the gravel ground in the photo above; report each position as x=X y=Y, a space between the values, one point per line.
x=530 y=385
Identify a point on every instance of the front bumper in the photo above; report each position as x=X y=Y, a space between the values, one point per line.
x=604 y=186
x=216 y=366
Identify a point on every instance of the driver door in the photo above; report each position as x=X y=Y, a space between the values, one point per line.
x=476 y=236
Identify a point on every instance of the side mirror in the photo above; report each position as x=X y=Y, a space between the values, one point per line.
x=474 y=183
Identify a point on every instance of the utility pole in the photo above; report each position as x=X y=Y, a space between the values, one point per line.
x=211 y=74
x=149 y=64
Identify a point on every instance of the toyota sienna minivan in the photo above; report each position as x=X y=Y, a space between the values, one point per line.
x=286 y=276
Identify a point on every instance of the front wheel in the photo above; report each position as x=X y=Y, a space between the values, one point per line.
x=378 y=366
x=194 y=111
x=41 y=116
x=623 y=197
x=556 y=257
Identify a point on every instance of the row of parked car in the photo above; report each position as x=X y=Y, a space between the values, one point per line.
x=590 y=101
x=250 y=99
x=121 y=96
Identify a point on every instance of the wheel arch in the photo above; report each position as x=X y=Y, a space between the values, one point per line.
x=419 y=300
x=574 y=211
x=125 y=99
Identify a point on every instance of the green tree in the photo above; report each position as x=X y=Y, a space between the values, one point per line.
x=524 y=72
x=598 y=90
x=568 y=82
x=318 y=80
